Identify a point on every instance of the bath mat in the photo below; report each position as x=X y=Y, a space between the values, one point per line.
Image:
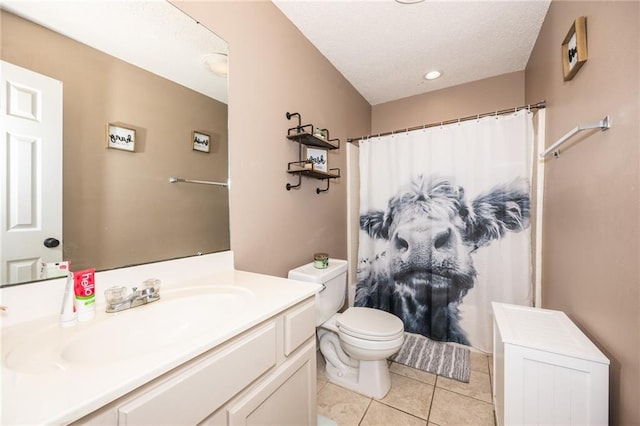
x=434 y=357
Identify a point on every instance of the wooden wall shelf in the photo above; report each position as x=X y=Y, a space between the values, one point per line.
x=305 y=135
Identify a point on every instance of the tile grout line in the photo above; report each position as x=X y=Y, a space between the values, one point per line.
x=402 y=411
x=469 y=396
x=433 y=395
x=493 y=407
x=365 y=411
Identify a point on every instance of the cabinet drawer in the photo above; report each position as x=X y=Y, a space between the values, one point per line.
x=205 y=386
x=299 y=325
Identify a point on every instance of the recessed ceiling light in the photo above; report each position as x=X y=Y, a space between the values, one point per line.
x=432 y=75
x=409 y=1
x=217 y=63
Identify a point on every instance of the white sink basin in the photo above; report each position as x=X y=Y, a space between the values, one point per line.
x=179 y=315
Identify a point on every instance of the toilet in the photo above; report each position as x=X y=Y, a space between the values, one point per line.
x=357 y=342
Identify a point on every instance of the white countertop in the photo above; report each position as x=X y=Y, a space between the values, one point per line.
x=64 y=394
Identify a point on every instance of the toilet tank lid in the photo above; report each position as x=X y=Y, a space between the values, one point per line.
x=310 y=273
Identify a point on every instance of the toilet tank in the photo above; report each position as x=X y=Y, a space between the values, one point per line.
x=334 y=278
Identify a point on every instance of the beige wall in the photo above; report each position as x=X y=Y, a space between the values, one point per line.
x=274 y=69
x=591 y=217
x=490 y=94
x=119 y=208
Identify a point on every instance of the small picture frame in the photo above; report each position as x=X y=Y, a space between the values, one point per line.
x=119 y=137
x=201 y=142
x=318 y=158
x=574 y=48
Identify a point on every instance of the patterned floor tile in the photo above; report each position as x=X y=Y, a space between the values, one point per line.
x=453 y=409
x=413 y=373
x=410 y=396
x=479 y=362
x=479 y=386
x=379 y=414
x=341 y=405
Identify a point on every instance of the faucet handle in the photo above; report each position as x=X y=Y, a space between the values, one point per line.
x=153 y=283
x=115 y=294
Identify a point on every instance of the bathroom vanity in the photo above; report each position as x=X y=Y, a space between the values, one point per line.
x=220 y=347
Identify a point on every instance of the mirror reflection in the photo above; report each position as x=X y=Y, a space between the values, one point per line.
x=75 y=81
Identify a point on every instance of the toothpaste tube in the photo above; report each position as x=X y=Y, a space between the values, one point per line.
x=84 y=286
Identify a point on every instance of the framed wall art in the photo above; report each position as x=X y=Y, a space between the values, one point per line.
x=201 y=142
x=119 y=137
x=317 y=157
x=574 y=48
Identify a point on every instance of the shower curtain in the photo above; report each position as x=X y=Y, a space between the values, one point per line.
x=445 y=225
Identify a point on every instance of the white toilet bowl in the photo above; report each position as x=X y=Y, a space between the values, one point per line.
x=356 y=345
x=357 y=342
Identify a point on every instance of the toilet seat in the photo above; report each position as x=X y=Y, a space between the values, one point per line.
x=372 y=345
x=370 y=325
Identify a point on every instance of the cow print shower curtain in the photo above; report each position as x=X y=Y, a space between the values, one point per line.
x=445 y=225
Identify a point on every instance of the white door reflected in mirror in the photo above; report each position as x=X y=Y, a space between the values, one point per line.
x=31 y=211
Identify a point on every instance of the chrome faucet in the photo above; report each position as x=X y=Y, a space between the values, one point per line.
x=116 y=300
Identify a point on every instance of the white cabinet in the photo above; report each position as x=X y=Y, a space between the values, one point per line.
x=266 y=375
x=546 y=371
x=272 y=402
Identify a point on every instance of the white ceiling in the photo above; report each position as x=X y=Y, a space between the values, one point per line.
x=151 y=34
x=384 y=48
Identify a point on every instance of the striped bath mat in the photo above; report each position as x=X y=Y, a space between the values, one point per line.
x=435 y=357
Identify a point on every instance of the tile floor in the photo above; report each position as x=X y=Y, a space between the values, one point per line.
x=415 y=398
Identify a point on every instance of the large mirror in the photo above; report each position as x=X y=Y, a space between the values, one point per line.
x=141 y=74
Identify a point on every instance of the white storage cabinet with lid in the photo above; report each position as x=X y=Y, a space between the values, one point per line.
x=545 y=370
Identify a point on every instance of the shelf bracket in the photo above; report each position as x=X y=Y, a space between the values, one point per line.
x=289 y=186
x=292 y=114
x=318 y=190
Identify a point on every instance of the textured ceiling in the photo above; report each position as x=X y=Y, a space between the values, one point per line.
x=384 y=48
x=151 y=34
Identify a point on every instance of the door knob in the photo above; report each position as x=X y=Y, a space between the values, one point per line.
x=51 y=243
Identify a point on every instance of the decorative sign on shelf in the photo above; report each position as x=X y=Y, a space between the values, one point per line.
x=201 y=142
x=574 y=48
x=119 y=137
x=317 y=157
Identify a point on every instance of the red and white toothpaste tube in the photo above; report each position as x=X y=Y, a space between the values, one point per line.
x=84 y=287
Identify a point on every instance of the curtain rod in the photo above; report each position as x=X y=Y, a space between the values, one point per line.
x=539 y=105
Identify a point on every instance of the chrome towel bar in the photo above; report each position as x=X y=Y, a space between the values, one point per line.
x=603 y=124
x=204 y=182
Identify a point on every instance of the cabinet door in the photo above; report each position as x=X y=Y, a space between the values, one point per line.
x=288 y=397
